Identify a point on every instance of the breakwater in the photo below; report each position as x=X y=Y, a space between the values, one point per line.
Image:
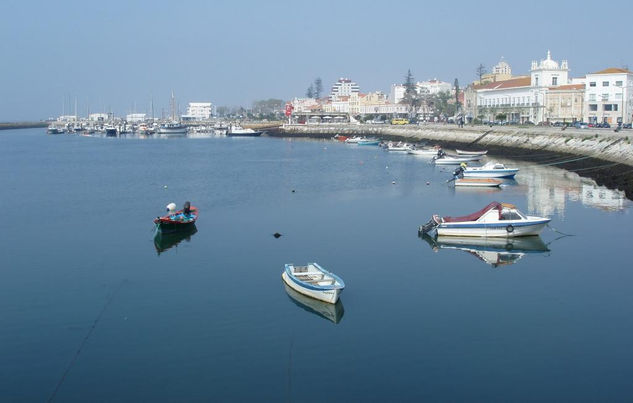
x=21 y=125
x=601 y=154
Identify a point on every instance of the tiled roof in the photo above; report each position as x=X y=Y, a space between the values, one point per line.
x=612 y=70
x=523 y=81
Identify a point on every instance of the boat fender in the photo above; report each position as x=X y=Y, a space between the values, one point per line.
x=510 y=228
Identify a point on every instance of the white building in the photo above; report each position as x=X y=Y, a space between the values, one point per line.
x=303 y=105
x=198 y=111
x=432 y=87
x=609 y=96
x=523 y=98
x=344 y=87
x=98 y=117
x=397 y=93
x=135 y=117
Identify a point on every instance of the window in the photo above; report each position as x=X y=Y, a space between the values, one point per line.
x=592 y=97
x=593 y=107
x=607 y=107
x=592 y=84
x=605 y=97
x=618 y=83
x=536 y=81
x=554 y=80
x=605 y=83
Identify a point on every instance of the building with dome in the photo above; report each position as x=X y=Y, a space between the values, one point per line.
x=534 y=98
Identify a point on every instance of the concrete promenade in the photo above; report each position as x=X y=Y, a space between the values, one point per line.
x=602 y=144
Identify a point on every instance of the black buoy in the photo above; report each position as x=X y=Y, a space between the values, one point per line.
x=293 y=190
x=276 y=234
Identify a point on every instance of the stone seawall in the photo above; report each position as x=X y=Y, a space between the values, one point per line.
x=602 y=144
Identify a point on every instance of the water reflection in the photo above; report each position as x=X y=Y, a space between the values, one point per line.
x=548 y=189
x=331 y=312
x=165 y=241
x=493 y=251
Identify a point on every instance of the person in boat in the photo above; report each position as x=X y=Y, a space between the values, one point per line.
x=440 y=153
x=459 y=171
x=186 y=210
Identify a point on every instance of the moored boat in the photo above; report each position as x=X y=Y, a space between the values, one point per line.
x=454 y=160
x=490 y=170
x=181 y=220
x=110 y=131
x=235 y=130
x=53 y=130
x=368 y=142
x=494 y=220
x=313 y=281
x=172 y=129
x=477 y=182
x=464 y=152
x=430 y=152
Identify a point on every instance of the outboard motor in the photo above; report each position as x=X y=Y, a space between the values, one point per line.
x=428 y=227
x=187 y=208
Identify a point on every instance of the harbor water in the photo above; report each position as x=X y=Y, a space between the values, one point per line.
x=93 y=307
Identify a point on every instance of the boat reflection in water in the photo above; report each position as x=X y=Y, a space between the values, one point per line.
x=167 y=240
x=493 y=251
x=331 y=312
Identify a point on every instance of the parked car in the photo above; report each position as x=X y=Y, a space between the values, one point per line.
x=627 y=126
x=581 y=125
x=399 y=121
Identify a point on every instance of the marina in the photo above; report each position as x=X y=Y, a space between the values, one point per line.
x=155 y=300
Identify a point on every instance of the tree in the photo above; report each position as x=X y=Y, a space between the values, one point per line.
x=411 y=96
x=481 y=70
x=318 y=87
x=310 y=91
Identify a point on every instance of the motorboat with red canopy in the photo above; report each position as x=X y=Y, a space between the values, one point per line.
x=494 y=220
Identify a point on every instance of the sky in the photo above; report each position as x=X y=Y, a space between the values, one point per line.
x=120 y=56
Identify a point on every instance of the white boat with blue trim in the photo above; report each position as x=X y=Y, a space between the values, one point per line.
x=313 y=281
x=494 y=220
x=490 y=170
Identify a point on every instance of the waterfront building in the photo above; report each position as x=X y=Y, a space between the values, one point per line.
x=609 y=96
x=525 y=98
x=344 y=87
x=304 y=105
x=135 y=117
x=98 y=117
x=564 y=103
x=67 y=118
x=198 y=111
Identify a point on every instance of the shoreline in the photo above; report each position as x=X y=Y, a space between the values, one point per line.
x=607 y=158
x=22 y=125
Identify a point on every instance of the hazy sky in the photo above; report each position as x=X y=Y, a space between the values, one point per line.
x=119 y=55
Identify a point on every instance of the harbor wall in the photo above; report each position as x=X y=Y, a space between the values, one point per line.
x=602 y=144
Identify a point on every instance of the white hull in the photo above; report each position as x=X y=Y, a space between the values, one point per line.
x=480 y=153
x=329 y=296
x=519 y=228
x=477 y=184
x=454 y=161
x=430 y=153
x=172 y=132
x=508 y=173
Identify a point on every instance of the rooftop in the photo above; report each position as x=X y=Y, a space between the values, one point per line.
x=614 y=70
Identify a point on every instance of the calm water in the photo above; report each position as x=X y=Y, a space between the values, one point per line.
x=90 y=310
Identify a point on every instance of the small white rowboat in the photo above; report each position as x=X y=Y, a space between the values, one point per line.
x=478 y=182
x=463 y=152
x=313 y=281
